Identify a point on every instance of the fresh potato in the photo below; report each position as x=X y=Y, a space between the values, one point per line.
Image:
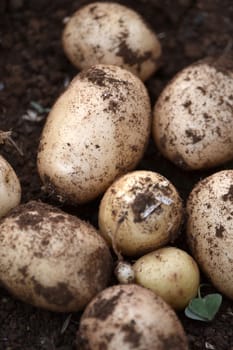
x=210 y=228
x=193 y=117
x=109 y=33
x=171 y=273
x=10 y=189
x=51 y=259
x=97 y=130
x=139 y=212
x=129 y=317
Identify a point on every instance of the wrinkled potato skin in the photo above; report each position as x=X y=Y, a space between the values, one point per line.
x=193 y=117
x=97 y=130
x=109 y=33
x=51 y=259
x=122 y=218
x=210 y=228
x=129 y=317
x=10 y=189
x=170 y=273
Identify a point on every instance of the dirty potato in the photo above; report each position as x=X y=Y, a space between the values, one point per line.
x=139 y=212
x=97 y=130
x=210 y=228
x=10 y=189
x=128 y=317
x=193 y=117
x=51 y=259
x=109 y=33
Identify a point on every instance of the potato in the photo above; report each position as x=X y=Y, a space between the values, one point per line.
x=129 y=317
x=210 y=228
x=171 y=273
x=140 y=212
x=10 y=189
x=51 y=259
x=97 y=130
x=109 y=33
x=193 y=117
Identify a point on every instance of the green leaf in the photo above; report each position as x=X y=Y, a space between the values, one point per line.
x=192 y=315
x=204 y=308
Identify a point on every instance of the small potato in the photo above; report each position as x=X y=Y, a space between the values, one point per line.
x=97 y=130
x=10 y=189
x=171 y=273
x=139 y=212
x=193 y=117
x=51 y=259
x=130 y=317
x=109 y=33
x=210 y=228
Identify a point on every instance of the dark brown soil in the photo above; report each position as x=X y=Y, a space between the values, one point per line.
x=33 y=68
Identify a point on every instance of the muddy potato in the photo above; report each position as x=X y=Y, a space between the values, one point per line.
x=97 y=130
x=129 y=317
x=51 y=259
x=210 y=228
x=10 y=189
x=193 y=117
x=109 y=33
x=139 y=212
x=171 y=273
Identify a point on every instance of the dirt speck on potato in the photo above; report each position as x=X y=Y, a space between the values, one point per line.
x=131 y=335
x=59 y=295
x=104 y=307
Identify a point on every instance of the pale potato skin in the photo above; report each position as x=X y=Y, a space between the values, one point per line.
x=10 y=188
x=129 y=317
x=109 y=33
x=210 y=228
x=171 y=273
x=193 y=117
x=139 y=212
x=51 y=259
x=97 y=130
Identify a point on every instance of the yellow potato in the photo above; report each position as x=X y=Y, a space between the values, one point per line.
x=171 y=273
x=51 y=259
x=140 y=212
x=97 y=130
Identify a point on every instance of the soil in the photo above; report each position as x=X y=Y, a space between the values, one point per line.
x=33 y=68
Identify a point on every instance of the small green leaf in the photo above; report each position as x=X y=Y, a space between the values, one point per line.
x=192 y=315
x=204 y=309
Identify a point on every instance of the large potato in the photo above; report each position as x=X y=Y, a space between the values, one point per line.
x=51 y=259
x=109 y=33
x=10 y=189
x=97 y=130
x=193 y=117
x=139 y=212
x=171 y=273
x=210 y=228
x=129 y=317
